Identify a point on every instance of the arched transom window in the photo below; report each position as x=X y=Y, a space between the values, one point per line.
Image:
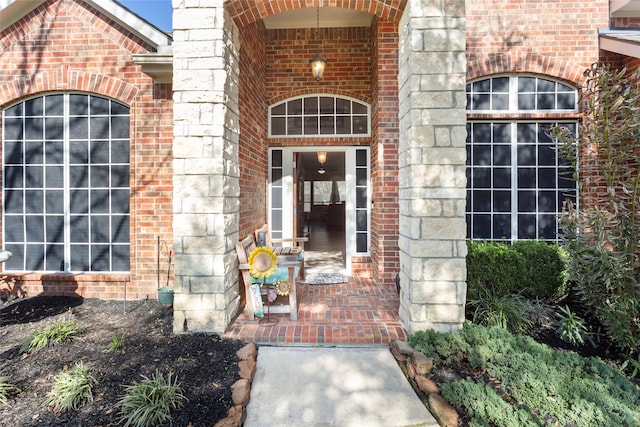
x=517 y=181
x=319 y=115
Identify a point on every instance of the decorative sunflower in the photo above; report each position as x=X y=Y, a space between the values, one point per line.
x=262 y=262
x=283 y=287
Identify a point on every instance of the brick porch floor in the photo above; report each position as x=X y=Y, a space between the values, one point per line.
x=355 y=313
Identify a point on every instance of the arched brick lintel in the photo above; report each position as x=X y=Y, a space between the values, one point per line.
x=48 y=81
x=312 y=91
x=387 y=10
x=525 y=63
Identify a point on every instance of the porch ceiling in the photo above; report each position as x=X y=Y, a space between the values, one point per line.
x=329 y=17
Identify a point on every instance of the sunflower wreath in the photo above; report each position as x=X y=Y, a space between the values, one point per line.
x=262 y=262
x=283 y=287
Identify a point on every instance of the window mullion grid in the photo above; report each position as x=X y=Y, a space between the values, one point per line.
x=514 y=181
x=66 y=183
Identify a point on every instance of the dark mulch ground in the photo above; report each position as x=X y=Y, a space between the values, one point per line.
x=205 y=365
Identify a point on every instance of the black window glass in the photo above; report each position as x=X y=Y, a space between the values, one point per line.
x=501 y=227
x=79 y=128
x=526 y=177
x=501 y=155
x=99 y=128
x=482 y=201
x=54 y=202
x=120 y=229
x=99 y=152
x=360 y=125
x=361 y=220
x=361 y=177
x=361 y=242
x=54 y=152
x=361 y=198
x=361 y=158
x=78 y=105
x=311 y=105
x=34 y=128
x=12 y=130
x=79 y=229
x=120 y=127
x=54 y=105
x=502 y=201
x=98 y=106
x=100 y=230
x=120 y=176
x=482 y=155
x=119 y=109
x=54 y=177
x=34 y=107
x=279 y=109
x=14 y=228
x=79 y=201
x=501 y=178
x=481 y=177
x=34 y=201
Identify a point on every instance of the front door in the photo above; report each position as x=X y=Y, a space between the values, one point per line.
x=289 y=210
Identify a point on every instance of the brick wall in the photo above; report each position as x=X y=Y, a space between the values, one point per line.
x=67 y=46
x=555 y=38
x=384 y=176
x=252 y=149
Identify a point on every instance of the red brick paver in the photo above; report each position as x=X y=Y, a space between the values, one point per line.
x=355 y=313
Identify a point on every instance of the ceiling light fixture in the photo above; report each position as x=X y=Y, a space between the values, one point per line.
x=322 y=158
x=318 y=62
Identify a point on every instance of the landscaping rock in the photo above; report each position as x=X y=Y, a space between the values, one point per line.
x=399 y=356
x=411 y=370
x=247 y=369
x=421 y=362
x=426 y=385
x=240 y=392
x=234 y=419
x=248 y=352
x=403 y=347
x=442 y=411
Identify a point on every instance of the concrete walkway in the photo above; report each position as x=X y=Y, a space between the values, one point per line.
x=326 y=387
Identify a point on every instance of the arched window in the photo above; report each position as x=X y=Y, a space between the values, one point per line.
x=517 y=181
x=65 y=165
x=319 y=115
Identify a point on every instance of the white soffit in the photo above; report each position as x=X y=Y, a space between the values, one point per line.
x=624 y=8
x=624 y=42
x=329 y=17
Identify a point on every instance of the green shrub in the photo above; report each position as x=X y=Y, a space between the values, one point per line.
x=493 y=267
x=5 y=388
x=59 y=331
x=531 y=383
x=545 y=273
x=602 y=236
x=71 y=389
x=533 y=269
x=485 y=406
x=149 y=402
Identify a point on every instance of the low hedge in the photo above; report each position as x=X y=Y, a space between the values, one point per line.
x=533 y=269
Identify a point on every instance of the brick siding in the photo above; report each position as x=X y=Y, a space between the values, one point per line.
x=68 y=46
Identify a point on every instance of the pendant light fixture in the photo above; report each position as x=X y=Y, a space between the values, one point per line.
x=318 y=62
x=322 y=157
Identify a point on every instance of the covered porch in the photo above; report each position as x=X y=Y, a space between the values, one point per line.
x=360 y=312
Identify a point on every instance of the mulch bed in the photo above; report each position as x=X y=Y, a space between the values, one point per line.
x=205 y=365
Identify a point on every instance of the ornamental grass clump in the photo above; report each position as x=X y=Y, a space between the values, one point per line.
x=149 y=402
x=71 y=389
x=5 y=389
x=59 y=331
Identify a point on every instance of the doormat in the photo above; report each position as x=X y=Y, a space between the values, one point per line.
x=324 y=278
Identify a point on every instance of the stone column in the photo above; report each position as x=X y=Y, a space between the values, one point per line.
x=205 y=151
x=432 y=165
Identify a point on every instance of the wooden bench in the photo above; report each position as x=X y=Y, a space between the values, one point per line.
x=263 y=238
x=287 y=261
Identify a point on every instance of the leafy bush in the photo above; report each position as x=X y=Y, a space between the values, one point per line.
x=493 y=267
x=570 y=327
x=545 y=273
x=71 y=388
x=530 y=383
x=602 y=237
x=61 y=330
x=5 y=389
x=533 y=269
x=149 y=402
